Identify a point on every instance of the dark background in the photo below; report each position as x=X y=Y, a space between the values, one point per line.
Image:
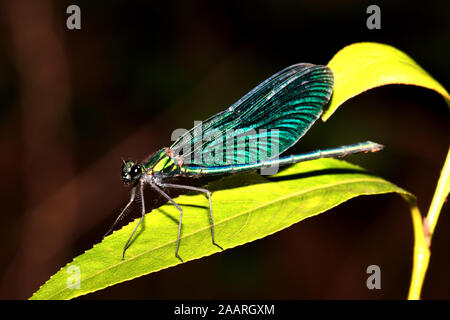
x=74 y=102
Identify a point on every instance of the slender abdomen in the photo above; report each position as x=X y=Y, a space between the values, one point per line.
x=339 y=152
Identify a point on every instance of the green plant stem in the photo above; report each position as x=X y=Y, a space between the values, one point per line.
x=442 y=190
x=421 y=253
x=424 y=229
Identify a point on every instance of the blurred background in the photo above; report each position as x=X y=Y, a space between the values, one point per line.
x=74 y=102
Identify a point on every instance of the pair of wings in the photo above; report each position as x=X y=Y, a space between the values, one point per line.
x=262 y=124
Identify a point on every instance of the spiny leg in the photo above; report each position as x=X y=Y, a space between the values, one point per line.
x=133 y=194
x=141 y=190
x=181 y=217
x=205 y=191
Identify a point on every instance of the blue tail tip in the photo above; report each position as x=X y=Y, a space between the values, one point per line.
x=375 y=146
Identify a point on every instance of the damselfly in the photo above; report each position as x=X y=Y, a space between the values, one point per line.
x=249 y=135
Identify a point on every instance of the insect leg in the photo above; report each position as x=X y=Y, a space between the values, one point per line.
x=180 y=221
x=205 y=191
x=133 y=194
x=141 y=190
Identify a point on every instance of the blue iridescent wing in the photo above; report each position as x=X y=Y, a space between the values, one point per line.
x=280 y=110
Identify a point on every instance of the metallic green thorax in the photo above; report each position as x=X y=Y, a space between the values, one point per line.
x=163 y=163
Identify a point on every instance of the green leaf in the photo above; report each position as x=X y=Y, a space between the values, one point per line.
x=366 y=65
x=363 y=66
x=246 y=207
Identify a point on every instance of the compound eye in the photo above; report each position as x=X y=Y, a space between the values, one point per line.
x=135 y=170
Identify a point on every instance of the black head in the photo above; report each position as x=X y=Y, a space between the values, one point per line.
x=130 y=171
